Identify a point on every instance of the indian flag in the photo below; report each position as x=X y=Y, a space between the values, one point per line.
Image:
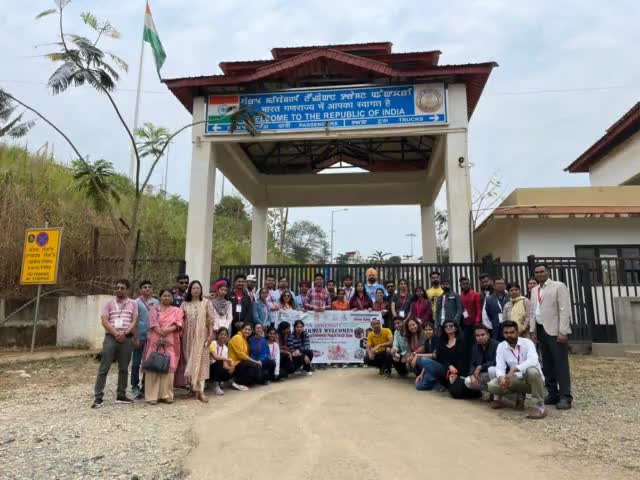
x=152 y=38
x=220 y=106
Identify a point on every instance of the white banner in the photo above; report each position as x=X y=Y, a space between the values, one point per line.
x=336 y=336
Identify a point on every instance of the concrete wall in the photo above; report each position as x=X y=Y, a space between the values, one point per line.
x=628 y=319
x=16 y=332
x=619 y=166
x=557 y=237
x=79 y=321
x=499 y=239
x=514 y=239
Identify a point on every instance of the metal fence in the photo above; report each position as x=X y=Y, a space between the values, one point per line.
x=592 y=283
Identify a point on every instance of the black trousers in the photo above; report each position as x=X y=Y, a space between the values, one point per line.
x=247 y=373
x=555 y=364
x=401 y=368
x=217 y=372
x=381 y=360
x=299 y=361
x=286 y=365
x=469 y=340
x=268 y=370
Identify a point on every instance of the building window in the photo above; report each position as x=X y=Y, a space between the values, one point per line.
x=612 y=264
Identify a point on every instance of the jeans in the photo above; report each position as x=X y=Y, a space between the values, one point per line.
x=112 y=350
x=555 y=364
x=136 y=360
x=434 y=373
x=530 y=382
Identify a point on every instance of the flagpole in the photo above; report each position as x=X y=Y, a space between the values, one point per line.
x=136 y=113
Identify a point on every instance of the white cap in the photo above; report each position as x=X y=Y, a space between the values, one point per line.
x=252 y=278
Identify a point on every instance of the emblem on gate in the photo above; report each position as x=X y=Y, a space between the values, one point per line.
x=429 y=100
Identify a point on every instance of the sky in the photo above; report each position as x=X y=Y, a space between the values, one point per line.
x=568 y=70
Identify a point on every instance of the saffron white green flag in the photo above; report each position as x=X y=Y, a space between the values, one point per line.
x=152 y=38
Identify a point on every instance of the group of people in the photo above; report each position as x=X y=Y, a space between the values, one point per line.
x=464 y=342
x=490 y=341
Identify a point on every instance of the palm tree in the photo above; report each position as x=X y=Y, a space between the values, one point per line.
x=14 y=128
x=378 y=256
x=80 y=61
x=98 y=180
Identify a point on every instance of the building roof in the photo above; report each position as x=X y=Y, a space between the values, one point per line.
x=333 y=65
x=568 y=202
x=617 y=133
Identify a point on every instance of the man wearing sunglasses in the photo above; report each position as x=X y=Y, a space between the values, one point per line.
x=119 y=318
x=182 y=284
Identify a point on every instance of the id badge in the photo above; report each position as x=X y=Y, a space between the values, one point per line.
x=465 y=314
x=119 y=324
x=401 y=313
x=500 y=317
x=238 y=308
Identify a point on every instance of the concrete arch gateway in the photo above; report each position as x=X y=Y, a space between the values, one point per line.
x=402 y=117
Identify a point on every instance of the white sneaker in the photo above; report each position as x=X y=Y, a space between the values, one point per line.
x=218 y=389
x=308 y=374
x=242 y=388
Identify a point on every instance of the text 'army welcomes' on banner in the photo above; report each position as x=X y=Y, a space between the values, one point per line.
x=335 y=336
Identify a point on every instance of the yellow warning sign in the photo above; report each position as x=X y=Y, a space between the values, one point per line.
x=40 y=256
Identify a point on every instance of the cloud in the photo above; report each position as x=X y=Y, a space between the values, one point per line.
x=541 y=46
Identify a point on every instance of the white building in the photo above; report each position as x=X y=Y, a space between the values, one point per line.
x=601 y=221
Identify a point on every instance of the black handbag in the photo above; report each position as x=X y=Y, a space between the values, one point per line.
x=157 y=362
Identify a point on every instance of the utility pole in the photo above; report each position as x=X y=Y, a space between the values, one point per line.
x=332 y=231
x=411 y=236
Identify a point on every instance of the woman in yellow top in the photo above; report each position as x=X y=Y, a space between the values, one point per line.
x=247 y=371
x=519 y=310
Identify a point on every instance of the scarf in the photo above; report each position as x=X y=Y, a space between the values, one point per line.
x=220 y=305
x=518 y=312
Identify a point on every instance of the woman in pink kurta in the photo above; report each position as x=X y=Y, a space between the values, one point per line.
x=165 y=326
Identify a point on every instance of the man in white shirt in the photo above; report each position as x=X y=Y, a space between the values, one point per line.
x=518 y=370
x=551 y=302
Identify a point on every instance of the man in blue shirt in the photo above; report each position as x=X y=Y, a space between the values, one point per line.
x=372 y=285
x=145 y=303
x=305 y=285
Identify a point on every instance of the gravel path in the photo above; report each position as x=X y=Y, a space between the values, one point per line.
x=48 y=431
x=51 y=433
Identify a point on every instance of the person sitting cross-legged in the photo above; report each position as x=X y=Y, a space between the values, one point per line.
x=377 y=342
x=518 y=370
x=483 y=359
x=448 y=365
x=259 y=350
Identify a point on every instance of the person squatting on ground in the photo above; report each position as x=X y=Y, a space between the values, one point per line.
x=518 y=370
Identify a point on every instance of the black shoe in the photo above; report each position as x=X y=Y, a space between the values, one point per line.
x=550 y=400
x=564 y=404
x=381 y=371
x=97 y=404
x=387 y=373
x=124 y=400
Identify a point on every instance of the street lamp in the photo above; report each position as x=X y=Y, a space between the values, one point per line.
x=332 y=213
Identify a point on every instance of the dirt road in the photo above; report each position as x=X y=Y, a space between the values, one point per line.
x=353 y=424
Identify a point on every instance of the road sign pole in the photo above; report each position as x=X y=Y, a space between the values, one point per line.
x=35 y=319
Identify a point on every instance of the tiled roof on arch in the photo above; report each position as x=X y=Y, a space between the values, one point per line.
x=359 y=62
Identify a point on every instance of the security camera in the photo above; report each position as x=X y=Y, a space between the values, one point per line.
x=461 y=162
